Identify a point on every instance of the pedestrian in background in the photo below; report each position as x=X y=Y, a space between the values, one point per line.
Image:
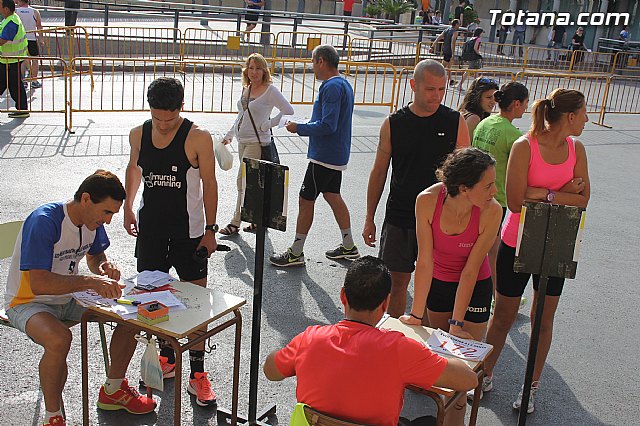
x=252 y=127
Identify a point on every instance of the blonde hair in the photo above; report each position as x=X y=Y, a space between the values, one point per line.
x=259 y=60
x=546 y=112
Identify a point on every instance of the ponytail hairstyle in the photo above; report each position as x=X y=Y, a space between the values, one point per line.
x=546 y=112
x=509 y=92
x=471 y=101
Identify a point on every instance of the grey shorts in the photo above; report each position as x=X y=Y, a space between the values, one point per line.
x=398 y=248
x=476 y=64
x=19 y=315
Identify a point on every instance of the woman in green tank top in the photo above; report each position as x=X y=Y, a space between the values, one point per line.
x=495 y=135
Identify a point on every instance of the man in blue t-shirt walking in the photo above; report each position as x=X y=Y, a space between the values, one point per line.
x=329 y=132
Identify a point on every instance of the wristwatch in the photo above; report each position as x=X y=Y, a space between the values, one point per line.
x=451 y=321
x=550 y=196
x=213 y=228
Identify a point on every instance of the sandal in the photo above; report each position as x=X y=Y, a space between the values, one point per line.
x=251 y=228
x=229 y=230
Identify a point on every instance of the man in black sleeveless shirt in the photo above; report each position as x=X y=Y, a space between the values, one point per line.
x=414 y=140
x=175 y=160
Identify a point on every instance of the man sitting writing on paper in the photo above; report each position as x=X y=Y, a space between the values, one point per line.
x=355 y=371
x=44 y=273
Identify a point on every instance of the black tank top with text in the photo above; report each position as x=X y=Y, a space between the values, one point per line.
x=419 y=145
x=172 y=204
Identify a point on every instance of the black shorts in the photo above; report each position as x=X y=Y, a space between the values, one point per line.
x=398 y=248
x=442 y=297
x=33 y=48
x=319 y=179
x=512 y=284
x=447 y=57
x=161 y=253
x=251 y=17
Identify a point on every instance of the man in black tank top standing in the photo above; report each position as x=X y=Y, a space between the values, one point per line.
x=414 y=140
x=175 y=160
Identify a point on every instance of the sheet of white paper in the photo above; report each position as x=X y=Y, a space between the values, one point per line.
x=447 y=344
x=287 y=118
x=91 y=298
x=153 y=278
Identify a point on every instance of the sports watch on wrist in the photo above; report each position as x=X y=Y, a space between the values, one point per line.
x=451 y=321
x=213 y=228
x=550 y=196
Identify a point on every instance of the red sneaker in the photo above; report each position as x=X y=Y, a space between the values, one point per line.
x=125 y=398
x=168 y=370
x=200 y=387
x=56 y=421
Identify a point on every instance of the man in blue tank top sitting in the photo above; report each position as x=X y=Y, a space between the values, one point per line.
x=414 y=141
x=174 y=158
x=329 y=132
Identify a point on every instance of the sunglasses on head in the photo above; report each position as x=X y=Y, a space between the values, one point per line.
x=486 y=80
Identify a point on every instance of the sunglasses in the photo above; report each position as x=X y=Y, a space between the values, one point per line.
x=485 y=80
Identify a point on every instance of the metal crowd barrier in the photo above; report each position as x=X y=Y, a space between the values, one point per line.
x=133 y=42
x=626 y=63
x=51 y=97
x=225 y=45
x=594 y=86
x=299 y=45
x=396 y=52
x=453 y=97
x=621 y=97
x=374 y=84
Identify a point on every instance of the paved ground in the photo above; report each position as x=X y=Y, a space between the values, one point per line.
x=587 y=379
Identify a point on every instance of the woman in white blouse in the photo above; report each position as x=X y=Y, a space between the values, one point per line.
x=261 y=97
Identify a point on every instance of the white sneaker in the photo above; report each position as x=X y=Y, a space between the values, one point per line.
x=487 y=386
x=530 y=407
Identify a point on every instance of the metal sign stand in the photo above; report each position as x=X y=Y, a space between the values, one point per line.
x=548 y=245
x=265 y=205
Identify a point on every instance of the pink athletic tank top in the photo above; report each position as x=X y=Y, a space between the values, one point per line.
x=541 y=175
x=450 y=252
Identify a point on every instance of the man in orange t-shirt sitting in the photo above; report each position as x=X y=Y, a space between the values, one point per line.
x=355 y=371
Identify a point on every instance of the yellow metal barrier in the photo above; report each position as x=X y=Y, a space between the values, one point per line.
x=547 y=58
x=52 y=96
x=225 y=45
x=626 y=63
x=398 y=53
x=496 y=55
x=592 y=62
x=622 y=97
x=299 y=45
x=133 y=42
x=64 y=42
x=374 y=84
x=593 y=86
x=212 y=86
x=120 y=83
x=453 y=96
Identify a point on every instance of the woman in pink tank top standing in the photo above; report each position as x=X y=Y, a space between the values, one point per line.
x=546 y=165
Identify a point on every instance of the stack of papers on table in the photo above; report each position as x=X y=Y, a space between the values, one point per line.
x=150 y=280
x=91 y=298
x=165 y=297
x=447 y=344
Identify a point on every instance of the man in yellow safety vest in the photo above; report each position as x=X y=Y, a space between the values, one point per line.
x=13 y=46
